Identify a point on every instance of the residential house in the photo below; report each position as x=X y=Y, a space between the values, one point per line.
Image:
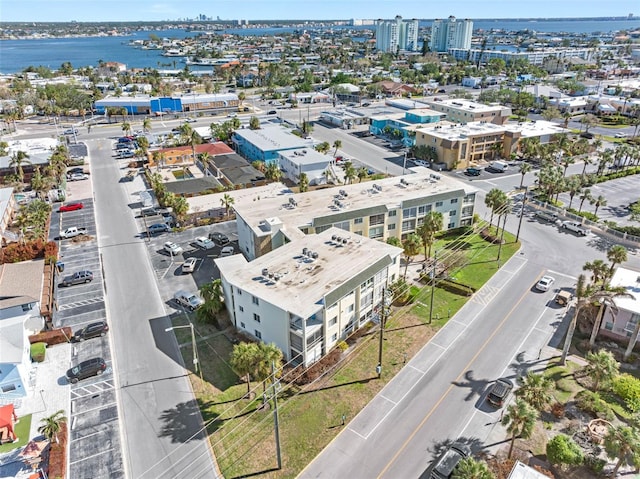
x=20 y=290
x=183 y=155
x=311 y=293
x=308 y=161
x=465 y=111
x=265 y=144
x=622 y=324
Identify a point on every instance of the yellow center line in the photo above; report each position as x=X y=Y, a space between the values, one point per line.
x=451 y=386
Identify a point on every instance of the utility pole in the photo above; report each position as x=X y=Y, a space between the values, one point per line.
x=504 y=223
x=433 y=284
x=276 y=423
x=383 y=317
x=524 y=203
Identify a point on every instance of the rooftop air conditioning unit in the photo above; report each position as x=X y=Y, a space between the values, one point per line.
x=305 y=251
x=265 y=272
x=334 y=237
x=345 y=240
x=338 y=239
x=343 y=193
x=315 y=255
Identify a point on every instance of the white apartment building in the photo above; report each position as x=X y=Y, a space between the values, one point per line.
x=465 y=111
x=311 y=293
x=450 y=33
x=535 y=57
x=397 y=34
x=304 y=160
x=378 y=210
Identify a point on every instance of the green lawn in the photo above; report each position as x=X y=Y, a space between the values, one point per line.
x=22 y=430
x=242 y=434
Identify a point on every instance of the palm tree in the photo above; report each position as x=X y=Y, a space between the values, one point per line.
x=617 y=254
x=273 y=172
x=303 y=182
x=337 y=145
x=212 y=295
x=269 y=355
x=606 y=297
x=349 y=172
x=519 y=420
x=598 y=202
x=428 y=229
x=205 y=159
x=622 y=442
x=18 y=159
x=574 y=186
x=598 y=268
x=536 y=390
x=227 y=201
x=39 y=183
x=411 y=246
x=524 y=169
x=494 y=200
x=602 y=367
x=243 y=360
x=126 y=127
x=146 y=124
x=52 y=425
x=362 y=174
x=469 y=468
x=180 y=207
x=585 y=195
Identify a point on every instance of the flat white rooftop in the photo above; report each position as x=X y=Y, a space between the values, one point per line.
x=391 y=192
x=629 y=280
x=454 y=131
x=298 y=283
x=466 y=105
x=273 y=138
x=306 y=156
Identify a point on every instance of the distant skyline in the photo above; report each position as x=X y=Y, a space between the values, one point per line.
x=156 y=10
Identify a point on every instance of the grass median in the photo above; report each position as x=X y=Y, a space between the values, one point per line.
x=241 y=428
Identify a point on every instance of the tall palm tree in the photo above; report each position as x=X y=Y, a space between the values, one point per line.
x=536 y=390
x=411 y=246
x=428 y=229
x=469 y=468
x=269 y=355
x=337 y=145
x=520 y=418
x=52 y=425
x=126 y=127
x=490 y=201
x=574 y=187
x=18 y=159
x=350 y=172
x=617 y=254
x=206 y=160
x=599 y=270
x=622 y=442
x=303 y=182
x=212 y=295
x=598 y=202
x=524 y=169
x=585 y=195
x=227 y=201
x=146 y=125
x=243 y=361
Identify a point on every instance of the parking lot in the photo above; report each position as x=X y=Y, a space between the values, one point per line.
x=94 y=439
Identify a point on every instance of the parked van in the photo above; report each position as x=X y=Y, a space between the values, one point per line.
x=499 y=166
x=227 y=251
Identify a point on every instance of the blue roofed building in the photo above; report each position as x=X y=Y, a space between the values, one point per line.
x=265 y=144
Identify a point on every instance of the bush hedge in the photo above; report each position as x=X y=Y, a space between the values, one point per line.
x=584 y=214
x=55 y=336
x=628 y=388
x=592 y=403
x=38 y=352
x=455 y=288
x=58 y=455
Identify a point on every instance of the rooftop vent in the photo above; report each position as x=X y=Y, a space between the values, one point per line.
x=333 y=237
x=404 y=182
x=265 y=272
x=345 y=240
x=343 y=193
x=434 y=176
x=305 y=251
x=338 y=239
x=314 y=255
x=293 y=202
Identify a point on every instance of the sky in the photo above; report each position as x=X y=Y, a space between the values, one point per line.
x=154 y=10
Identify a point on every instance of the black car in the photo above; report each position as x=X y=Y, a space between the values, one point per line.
x=445 y=465
x=77 y=170
x=158 y=228
x=151 y=211
x=86 y=369
x=92 y=330
x=219 y=238
x=472 y=171
x=500 y=392
x=78 y=277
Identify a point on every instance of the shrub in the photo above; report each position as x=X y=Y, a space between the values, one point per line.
x=55 y=336
x=342 y=345
x=564 y=450
x=455 y=288
x=58 y=456
x=592 y=402
x=594 y=463
x=17 y=252
x=628 y=388
x=38 y=351
x=584 y=214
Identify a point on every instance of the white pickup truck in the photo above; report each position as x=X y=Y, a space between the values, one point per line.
x=73 y=232
x=575 y=227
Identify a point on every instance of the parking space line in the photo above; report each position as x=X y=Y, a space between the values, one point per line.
x=90 y=457
x=102 y=406
x=100 y=431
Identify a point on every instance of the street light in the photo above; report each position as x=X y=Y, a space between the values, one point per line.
x=193 y=343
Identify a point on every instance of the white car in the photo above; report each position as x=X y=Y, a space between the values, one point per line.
x=620 y=135
x=204 y=242
x=545 y=283
x=227 y=251
x=422 y=163
x=172 y=248
x=189 y=265
x=78 y=177
x=190 y=120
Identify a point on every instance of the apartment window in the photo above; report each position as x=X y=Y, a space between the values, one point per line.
x=241 y=309
x=467 y=211
x=391 y=226
x=27 y=307
x=344 y=225
x=7 y=388
x=334 y=337
x=358 y=221
x=451 y=225
x=258 y=334
x=438 y=204
x=409 y=212
x=239 y=291
x=242 y=325
x=376 y=220
x=392 y=213
x=454 y=200
x=333 y=321
x=452 y=213
x=376 y=232
x=350 y=308
x=254 y=300
x=359 y=232
x=408 y=225
x=256 y=317
x=423 y=210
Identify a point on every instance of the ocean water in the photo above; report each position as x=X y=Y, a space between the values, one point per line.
x=16 y=55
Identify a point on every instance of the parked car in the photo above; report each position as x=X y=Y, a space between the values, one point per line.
x=563 y=297
x=151 y=211
x=204 y=242
x=547 y=216
x=188 y=300
x=172 y=248
x=76 y=205
x=472 y=171
x=446 y=464
x=500 y=392
x=220 y=238
x=71 y=131
x=86 y=369
x=190 y=120
x=92 y=330
x=78 y=177
x=545 y=283
x=126 y=154
x=576 y=227
x=227 y=251
x=73 y=171
x=158 y=228
x=620 y=135
x=424 y=163
x=189 y=265
x=78 y=277
x=272 y=112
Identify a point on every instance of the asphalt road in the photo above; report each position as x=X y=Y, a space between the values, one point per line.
x=160 y=420
x=504 y=331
